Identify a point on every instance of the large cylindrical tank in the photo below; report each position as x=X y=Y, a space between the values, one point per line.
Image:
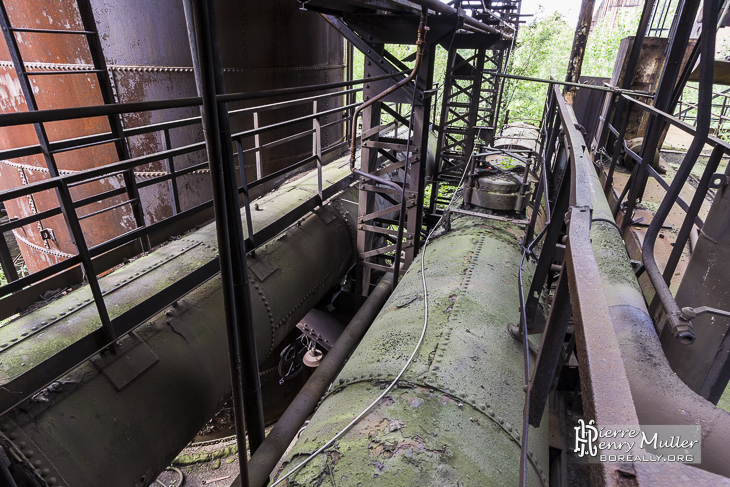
x=455 y=416
x=120 y=422
x=264 y=45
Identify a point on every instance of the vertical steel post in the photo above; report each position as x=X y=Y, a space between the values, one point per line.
x=579 y=46
x=244 y=191
x=350 y=98
x=234 y=273
x=6 y=260
x=618 y=102
x=257 y=146
x=170 y=166
x=317 y=147
x=662 y=101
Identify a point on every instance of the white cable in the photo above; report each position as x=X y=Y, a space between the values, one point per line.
x=415 y=350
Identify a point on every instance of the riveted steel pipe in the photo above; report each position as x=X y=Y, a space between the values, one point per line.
x=125 y=420
x=456 y=413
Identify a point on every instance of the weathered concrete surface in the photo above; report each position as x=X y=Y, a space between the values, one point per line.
x=455 y=417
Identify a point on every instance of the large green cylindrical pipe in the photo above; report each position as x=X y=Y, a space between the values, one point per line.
x=660 y=397
x=121 y=424
x=456 y=414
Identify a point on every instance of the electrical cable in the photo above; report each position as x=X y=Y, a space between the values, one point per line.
x=527 y=249
x=177 y=471
x=410 y=359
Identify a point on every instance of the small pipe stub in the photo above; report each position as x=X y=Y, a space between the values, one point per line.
x=683 y=330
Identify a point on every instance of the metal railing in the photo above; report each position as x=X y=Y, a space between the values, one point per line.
x=94 y=259
x=636 y=183
x=687 y=110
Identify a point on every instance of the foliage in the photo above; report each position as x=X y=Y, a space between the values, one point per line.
x=603 y=43
x=543 y=48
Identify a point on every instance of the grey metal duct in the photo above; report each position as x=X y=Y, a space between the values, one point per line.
x=122 y=421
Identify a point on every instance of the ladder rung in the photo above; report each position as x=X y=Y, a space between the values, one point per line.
x=52 y=31
x=79 y=71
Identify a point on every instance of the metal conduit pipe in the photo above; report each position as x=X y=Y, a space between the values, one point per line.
x=125 y=420
x=660 y=397
x=264 y=461
x=420 y=42
x=470 y=22
x=678 y=324
x=455 y=415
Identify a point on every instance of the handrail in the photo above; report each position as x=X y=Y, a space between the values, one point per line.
x=70 y=179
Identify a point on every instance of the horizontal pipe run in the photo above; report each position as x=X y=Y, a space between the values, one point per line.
x=264 y=461
x=710 y=140
x=659 y=396
x=469 y=22
x=611 y=89
x=290 y=274
x=457 y=408
x=126 y=237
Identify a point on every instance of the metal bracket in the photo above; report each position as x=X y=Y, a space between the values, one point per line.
x=47 y=234
x=133 y=357
x=719 y=181
x=688 y=313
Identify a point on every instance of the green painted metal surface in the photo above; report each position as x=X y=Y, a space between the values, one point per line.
x=455 y=417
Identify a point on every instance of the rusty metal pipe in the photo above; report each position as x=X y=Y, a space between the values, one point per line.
x=452 y=408
x=660 y=397
x=680 y=327
x=264 y=461
x=470 y=23
x=420 y=42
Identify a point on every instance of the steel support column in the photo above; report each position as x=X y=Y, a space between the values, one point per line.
x=232 y=250
x=403 y=157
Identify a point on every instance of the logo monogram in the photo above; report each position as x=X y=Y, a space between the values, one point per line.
x=586 y=435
